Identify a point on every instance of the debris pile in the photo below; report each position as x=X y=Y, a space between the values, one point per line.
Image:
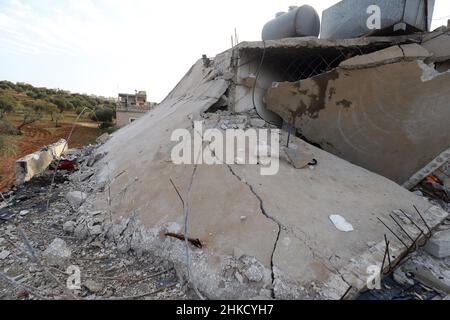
x=41 y=259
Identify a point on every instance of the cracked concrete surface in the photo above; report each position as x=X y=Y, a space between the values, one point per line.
x=262 y=236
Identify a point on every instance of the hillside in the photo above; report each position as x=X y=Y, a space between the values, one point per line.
x=31 y=118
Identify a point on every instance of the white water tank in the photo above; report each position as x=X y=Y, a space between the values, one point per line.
x=298 y=22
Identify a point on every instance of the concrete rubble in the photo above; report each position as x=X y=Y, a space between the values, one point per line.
x=359 y=112
x=36 y=163
x=439 y=244
x=57 y=252
x=105 y=272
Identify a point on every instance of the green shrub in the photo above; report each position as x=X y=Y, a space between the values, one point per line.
x=104 y=116
x=7 y=146
x=7 y=104
x=6 y=128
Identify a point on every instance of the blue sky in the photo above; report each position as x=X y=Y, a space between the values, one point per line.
x=105 y=46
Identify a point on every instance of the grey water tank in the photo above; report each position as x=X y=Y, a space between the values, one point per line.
x=348 y=18
x=298 y=22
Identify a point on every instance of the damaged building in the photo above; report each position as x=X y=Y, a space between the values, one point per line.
x=369 y=112
x=131 y=107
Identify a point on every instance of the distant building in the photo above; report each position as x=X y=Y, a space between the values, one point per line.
x=131 y=107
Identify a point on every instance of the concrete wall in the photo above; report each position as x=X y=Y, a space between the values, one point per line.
x=123 y=117
x=36 y=163
x=392 y=119
x=242 y=93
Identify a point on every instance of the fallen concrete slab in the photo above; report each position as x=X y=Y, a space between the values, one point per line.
x=255 y=236
x=256 y=65
x=408 y=52
x=36 y=163
x=439 y=244
x=438 y=43
x=362 y=114
x=428 y=270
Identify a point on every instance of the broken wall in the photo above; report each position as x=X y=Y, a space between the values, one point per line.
x=386 y=111
x=391 y=119
x=36 y=163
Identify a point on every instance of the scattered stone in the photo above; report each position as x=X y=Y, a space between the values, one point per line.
x=439 y=244
x=103 y=138
x=4 y=254
x=85 y=176
x=253 y=273
x=57 y=253
x=24 y=213
x=34 y=268
x=95 y=230
x=402 y=278
x=240 y=277
x=257 y=123
x=243 y=218
x=252 y=269
x=299 y=159
x=69 y=227
x=418 y=193
x=76 y=199
x=93 y=286
x=238 y=253
x=95 y=158
x=430 y=271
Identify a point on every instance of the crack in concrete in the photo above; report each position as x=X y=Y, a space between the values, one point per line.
x=264 y=212
x=290 y=231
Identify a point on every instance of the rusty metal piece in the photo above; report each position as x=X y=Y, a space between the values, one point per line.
x=385 y=254
x=346 y=293
x=195 y=242
x=412 y=221
x=388 y=253
x=422 y=233
x=425 y=222
x=395 y=235
x=401 y=227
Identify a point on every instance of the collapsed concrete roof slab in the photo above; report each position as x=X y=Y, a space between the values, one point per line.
x=262 y=236
x=391 y=119
x=290 y=60
x=313 y=42
x=439 y=44
x=408 y=52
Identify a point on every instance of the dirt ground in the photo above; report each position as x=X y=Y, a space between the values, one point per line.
x=40 y=134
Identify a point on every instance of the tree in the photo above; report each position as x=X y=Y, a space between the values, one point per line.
x=7 y=104
x=104 y=116
x=32 y=112
x=62 y=104
x=53 y=110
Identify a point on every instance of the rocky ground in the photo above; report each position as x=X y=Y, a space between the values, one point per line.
x=39 y=256
x=45 y=244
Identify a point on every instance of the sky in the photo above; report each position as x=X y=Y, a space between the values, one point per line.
x=104 y=47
